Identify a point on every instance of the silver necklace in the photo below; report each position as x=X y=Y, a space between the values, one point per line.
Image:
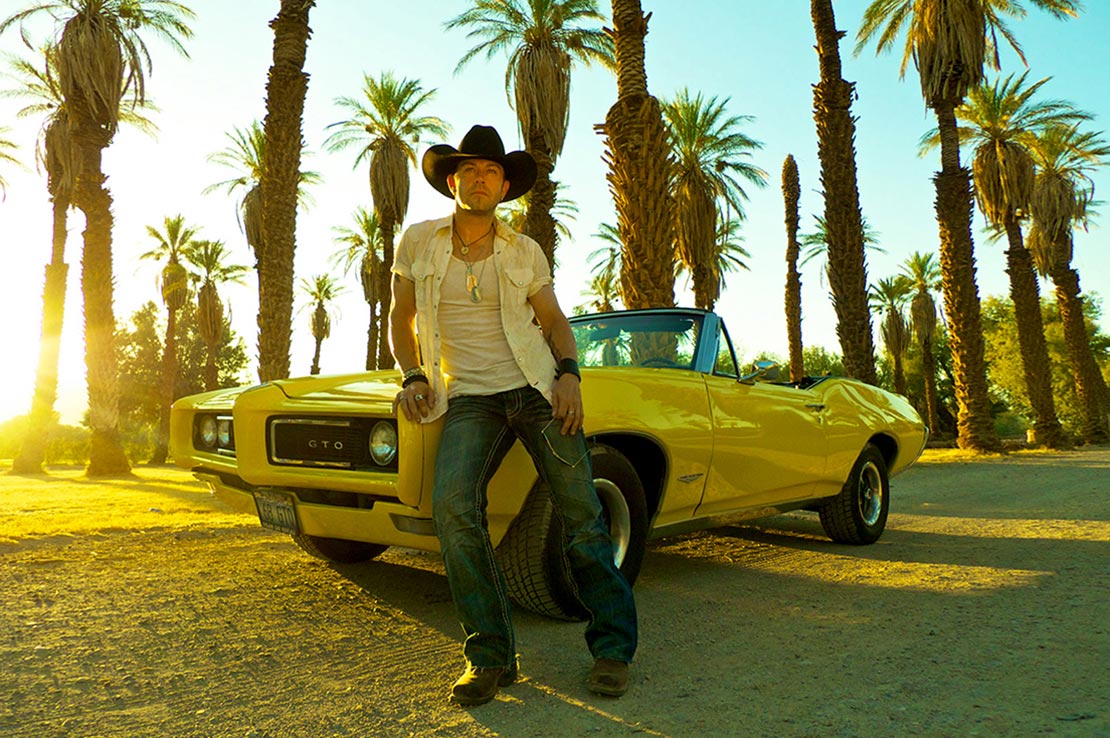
x=472 y=280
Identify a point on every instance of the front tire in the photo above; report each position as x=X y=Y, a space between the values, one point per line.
x=531 y=553
x=338 y=550
x=858 y=514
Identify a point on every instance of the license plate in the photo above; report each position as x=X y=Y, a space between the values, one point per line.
x=277 y=511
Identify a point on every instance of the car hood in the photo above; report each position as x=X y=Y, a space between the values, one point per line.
x=214 y=400
x=375 y=385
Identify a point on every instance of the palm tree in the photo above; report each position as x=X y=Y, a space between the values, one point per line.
x=603 y=291
x=816 y=245
x=710 y=158
x=362 y=246
x=1062 y=194
x=791 y=194
x=386 y=125
x=726 y=256
x=544 y=38
x=209 y=257
x=321 y=291
x=102 y=64
x=836 y=130
x=889 y=297
x=950 y=42
x=563 y=213
x=923 y=272
x=605 y=265
x=54 y=154
x=280 y=186
x=6 y=147
x=245 y=155
x=172 y=243
x=1001 y=120
x=639 y=159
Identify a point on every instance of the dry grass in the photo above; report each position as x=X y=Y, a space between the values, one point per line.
x=65 y=502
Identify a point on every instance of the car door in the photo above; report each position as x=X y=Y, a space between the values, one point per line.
x=769 y=443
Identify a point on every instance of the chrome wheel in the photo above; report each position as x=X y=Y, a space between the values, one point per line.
x=532 y=554
x=615 y=508
x=871 y=491
x=858 y=514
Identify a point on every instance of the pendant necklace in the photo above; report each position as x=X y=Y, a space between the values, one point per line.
x=472 y=280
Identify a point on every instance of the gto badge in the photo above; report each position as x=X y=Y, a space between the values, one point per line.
x=330 y=445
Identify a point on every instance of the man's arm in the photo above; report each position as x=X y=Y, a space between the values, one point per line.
x=566 y=401
x=402 y=339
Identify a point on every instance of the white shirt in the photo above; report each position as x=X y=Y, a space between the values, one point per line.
x=424 y=255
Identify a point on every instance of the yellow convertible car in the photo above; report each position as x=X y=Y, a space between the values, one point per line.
x=679 y=438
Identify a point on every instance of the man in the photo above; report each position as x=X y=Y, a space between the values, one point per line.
x=466 y=289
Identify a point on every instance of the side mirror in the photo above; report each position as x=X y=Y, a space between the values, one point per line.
x=766 y=371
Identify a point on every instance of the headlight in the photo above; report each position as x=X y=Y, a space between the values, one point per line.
x=383 y=443
x=223 y=432
x=208 y=432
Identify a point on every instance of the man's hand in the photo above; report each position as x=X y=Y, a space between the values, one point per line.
x=566 y=403
x=415 y=401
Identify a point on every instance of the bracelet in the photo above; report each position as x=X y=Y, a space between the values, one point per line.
x=568 y=366
x=416 y=370
x=412 y=378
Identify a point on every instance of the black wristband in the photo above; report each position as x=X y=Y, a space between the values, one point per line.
x=413 y=378
x=568 y=366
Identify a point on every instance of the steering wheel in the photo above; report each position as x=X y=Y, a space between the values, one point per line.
x=659 y=361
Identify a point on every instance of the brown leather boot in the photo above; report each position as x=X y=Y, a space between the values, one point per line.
x=609 y=677
x=478 y=686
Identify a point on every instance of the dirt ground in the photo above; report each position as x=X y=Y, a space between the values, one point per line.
x=142 y=607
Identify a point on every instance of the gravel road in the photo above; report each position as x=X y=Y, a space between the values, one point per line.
x=141 y=607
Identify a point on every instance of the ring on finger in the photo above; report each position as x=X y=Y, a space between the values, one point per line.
x=418 y=398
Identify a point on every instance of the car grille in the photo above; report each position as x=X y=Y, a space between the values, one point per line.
x=338 y=443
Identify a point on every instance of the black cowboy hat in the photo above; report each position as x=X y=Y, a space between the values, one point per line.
x=480 y=142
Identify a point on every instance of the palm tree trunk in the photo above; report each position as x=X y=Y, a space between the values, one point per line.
x=315 y=369
x=32 y=452
x=1026 y=296
x=836 y=131
x=106 y=456
x=538 y=224
x=211 y=376
x=899 y=373
x=385 y=352
x=285 y=94
x=932 y=397
x=169 y=377
x=210 y=326
x=372 y=338
x=975 y=427
x=1089 y=385
x=702 y=278
x=638 y=156
x=791 y=192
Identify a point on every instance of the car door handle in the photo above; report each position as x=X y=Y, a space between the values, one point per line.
x=815 y=406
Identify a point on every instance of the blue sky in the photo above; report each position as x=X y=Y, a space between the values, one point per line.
x=758 y=54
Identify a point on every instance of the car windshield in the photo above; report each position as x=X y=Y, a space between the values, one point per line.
x=652 y=340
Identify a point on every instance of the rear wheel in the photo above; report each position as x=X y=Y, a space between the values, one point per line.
x=531 y=553
x=858 y=514
x=339 y=550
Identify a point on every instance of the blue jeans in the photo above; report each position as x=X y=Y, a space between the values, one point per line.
x=478 y=431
